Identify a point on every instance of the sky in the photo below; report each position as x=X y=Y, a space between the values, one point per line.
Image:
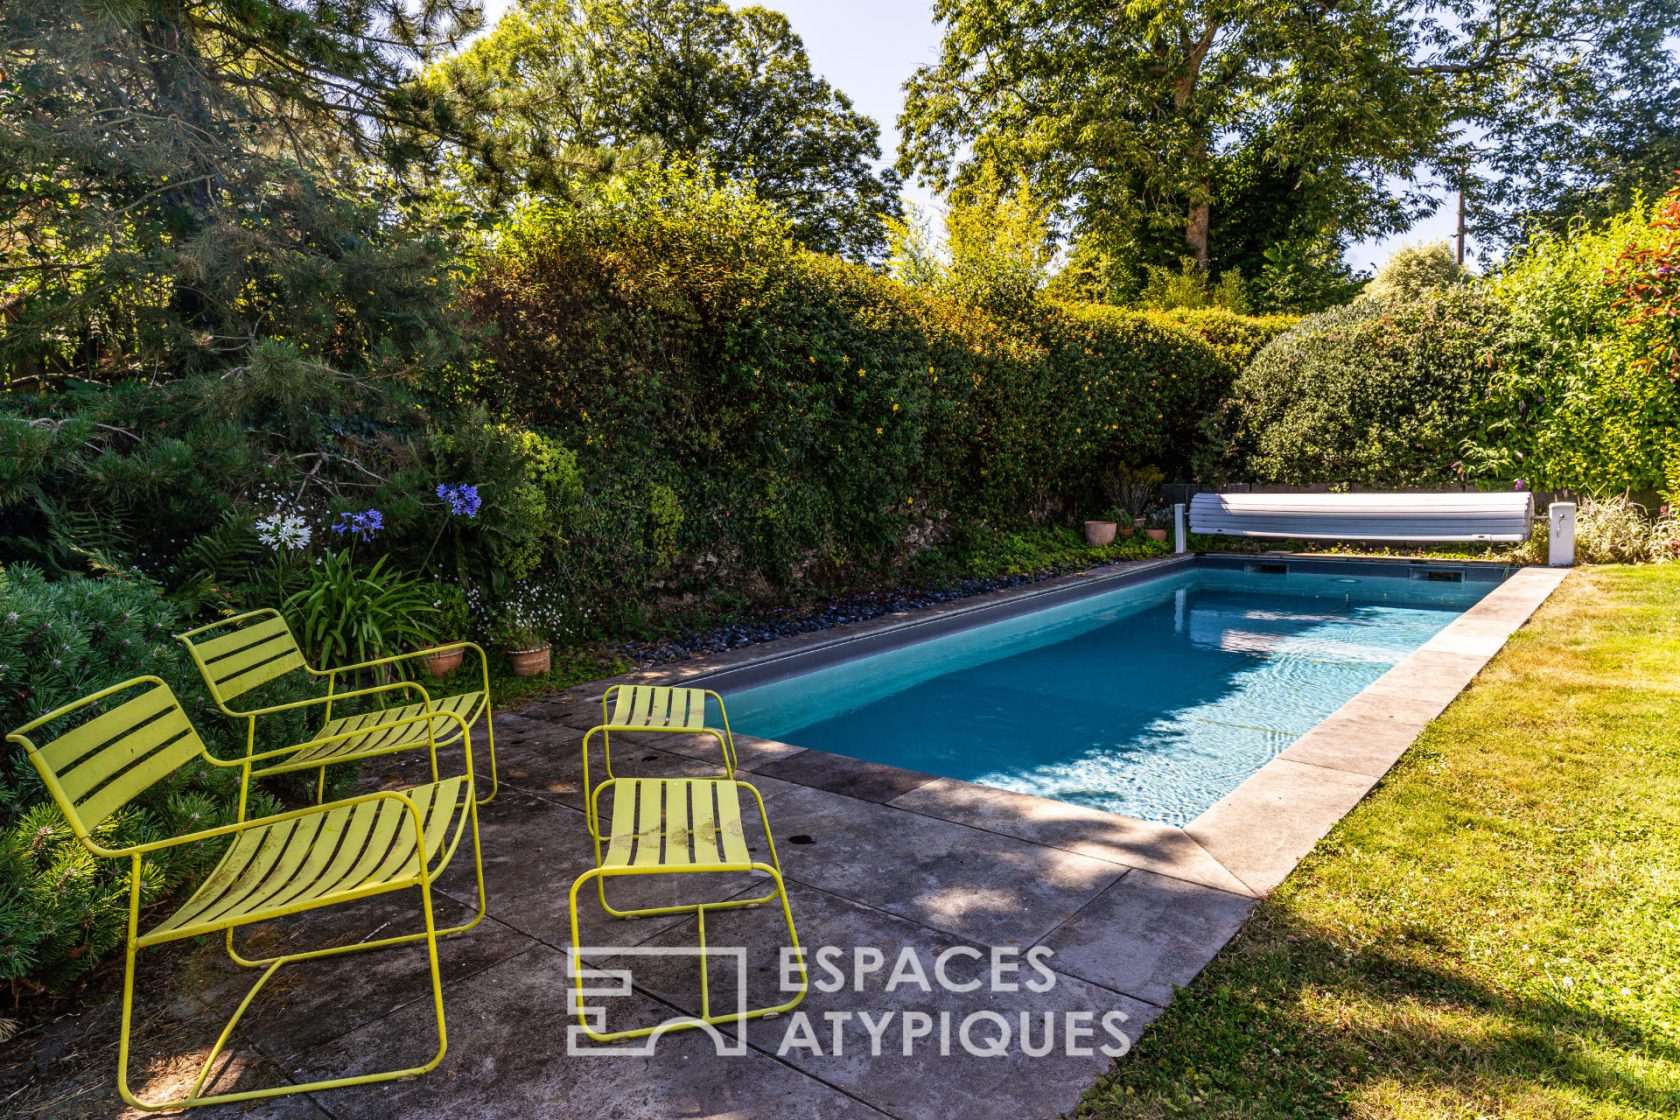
x=868 y=48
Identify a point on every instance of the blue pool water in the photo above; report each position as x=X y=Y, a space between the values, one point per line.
x=1153 y=701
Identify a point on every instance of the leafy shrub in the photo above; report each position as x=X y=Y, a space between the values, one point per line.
x=1030 y=552
x=1617 y=531
x=1414 y=272
x=62 y=910
x=1191 y=288
x=1647 y=276
x=1236 y=338
x=1377 y=393
x=1574 y=404
x=348 y=614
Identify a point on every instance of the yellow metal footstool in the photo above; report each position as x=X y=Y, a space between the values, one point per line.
x=678 y=826
x=640 y=707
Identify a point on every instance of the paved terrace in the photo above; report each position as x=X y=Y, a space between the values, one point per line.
x=873 y=856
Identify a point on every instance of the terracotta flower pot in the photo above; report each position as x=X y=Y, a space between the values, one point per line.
x=1099 y=533
x=531 y=662
x=1126 y=530
x=1155 y=534
x=445 y=662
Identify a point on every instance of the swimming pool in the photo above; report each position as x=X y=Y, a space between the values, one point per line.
x=1153 y=700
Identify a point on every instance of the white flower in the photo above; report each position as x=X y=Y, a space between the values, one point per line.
x=283 y=530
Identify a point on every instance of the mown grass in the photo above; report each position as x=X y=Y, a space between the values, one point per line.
x=1494 y=932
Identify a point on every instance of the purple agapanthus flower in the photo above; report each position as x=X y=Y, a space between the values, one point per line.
x=1522 y=484
x=361 y=525
x=462 y=498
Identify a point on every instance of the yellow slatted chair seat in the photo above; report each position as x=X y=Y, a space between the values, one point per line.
x=379 y=736
x=668 y=709
x=677 y=823
x=239 y=654
x=335 y=856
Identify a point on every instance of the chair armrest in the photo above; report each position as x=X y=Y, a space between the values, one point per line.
x=317 y=701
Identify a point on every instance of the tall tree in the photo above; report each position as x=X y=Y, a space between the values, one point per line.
x=1135 y=118
x=569 y=81
x=181 y=178
x=1126 y=114
x=1556 y=107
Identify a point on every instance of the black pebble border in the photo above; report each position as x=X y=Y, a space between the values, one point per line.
x=783 y=622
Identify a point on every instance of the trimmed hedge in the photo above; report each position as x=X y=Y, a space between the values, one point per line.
x=1377 y=393
x=1237 y=338
x=802 y=413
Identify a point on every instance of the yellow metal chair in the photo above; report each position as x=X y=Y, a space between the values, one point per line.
x=676 y=711
x=274 y=866
x=238 y=654
x=678 y=826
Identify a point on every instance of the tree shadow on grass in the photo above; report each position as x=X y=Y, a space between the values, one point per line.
x=1289 y=1022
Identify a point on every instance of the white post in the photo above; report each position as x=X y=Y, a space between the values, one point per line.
x=1560 y=546
x=1180 y=538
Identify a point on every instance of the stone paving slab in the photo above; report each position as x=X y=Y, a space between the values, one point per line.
x=1366 y=744
x=854 y=777
x=1057 y=824
x=507 y=1058
x=304 y=1005
x=1148 y=934
x=936 y=1080
x=750 y=753
x=1261 y=830
x=991 y=889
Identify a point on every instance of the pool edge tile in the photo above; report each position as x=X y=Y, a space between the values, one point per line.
x=1264 y=828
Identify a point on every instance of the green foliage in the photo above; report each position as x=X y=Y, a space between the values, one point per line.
x=1236 y=338
x=61 y=910
x=453 y=620
x=1378 y=393
x=1191 y=289
x=993 y=555
x=1304 y=276
x=998 y=241
x=1572 y=406
x=1617 y=531
x=1415 y=271
x=530 y=486
x=1648 y=276
x=237 y=206
x=1225 y=131
x=346 y=614
x=799 y=413
x=580 y=87
x=1121 y=117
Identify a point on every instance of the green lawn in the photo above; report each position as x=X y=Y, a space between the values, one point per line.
x=1495 y=931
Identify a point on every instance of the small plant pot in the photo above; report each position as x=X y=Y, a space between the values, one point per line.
x=445 y=662
x=531 y=662
x=1155 y=534
x=1099 y=533
x=1125 y=531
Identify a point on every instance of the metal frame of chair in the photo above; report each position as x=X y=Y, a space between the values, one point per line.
x=276 y=866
